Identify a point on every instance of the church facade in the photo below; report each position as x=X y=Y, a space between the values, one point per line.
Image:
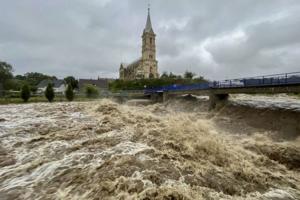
x=146 y=66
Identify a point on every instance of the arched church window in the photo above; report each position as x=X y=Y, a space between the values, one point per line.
x=150 y=56
x=150 y=40
x=151 y=75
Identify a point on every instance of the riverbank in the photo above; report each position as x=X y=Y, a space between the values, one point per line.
x=42 y=99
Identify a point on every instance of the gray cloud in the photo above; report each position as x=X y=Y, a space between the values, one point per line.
x=217 y=39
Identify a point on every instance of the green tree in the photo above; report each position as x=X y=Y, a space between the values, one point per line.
x=34 y=78
x=172 y=76
x=25 y=93
x=49 y=93
x=91 y=91
x=164 y=75
x=199 y=79
x=189 y=75
x=71 y=80
x=5 y=74
x=69 y=93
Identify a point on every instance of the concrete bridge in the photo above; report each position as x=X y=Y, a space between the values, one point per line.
x=218 y=91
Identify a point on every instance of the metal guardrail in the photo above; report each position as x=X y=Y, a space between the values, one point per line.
x=258 y=81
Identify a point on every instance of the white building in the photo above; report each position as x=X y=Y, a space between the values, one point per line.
x=59 y=86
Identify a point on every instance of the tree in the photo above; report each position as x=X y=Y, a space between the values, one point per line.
x=25 y=92
x=189 y=75
x=69 y=93
x=34 y=78
x=91 y=91
x=164 y=75
x=71 y=80
x=49 y=93
x=173 y=76
x=199 y=79
x=5 y=74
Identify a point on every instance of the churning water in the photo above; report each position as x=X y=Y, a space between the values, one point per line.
x=178 y=150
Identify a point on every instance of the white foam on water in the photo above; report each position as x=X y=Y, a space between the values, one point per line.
x=263 y=101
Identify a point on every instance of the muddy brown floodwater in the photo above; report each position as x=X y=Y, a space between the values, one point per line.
x=172 y=151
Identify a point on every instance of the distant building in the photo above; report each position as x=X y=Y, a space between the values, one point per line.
x=59 y=86
x=101 y=83
x=146 y=66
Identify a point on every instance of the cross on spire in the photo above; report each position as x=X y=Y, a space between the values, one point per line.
x=148 y=27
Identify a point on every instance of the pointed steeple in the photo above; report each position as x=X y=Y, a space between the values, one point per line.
x=148 y=28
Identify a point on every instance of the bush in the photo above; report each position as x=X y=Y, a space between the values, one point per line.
x=91 y=91
x=25 y=93
x=49 y=93
x=69 y=93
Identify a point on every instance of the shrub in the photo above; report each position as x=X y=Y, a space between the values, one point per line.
x=25 y=93
x=69 y=93
x=49 y=93
x=91 y=91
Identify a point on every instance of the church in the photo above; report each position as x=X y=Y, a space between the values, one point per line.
x=146 y=66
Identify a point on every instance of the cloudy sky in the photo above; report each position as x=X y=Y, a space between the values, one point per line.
x=89 y=38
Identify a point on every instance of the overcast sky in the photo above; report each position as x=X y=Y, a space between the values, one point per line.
x=89 y=38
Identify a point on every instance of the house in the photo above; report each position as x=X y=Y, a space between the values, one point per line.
x=100 y=83
x=59 y=86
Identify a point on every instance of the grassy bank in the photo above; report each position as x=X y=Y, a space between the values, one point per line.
x=38 y=99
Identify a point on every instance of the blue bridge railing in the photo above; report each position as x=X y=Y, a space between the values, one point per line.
x=259 y=81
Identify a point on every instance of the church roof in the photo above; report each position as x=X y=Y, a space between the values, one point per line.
x=148 y=28
x=135 y=63
x=56 y=83
x=132 y=64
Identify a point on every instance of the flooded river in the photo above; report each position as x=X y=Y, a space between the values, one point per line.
x=172 y=151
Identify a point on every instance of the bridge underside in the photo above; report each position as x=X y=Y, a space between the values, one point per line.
x=220 y=95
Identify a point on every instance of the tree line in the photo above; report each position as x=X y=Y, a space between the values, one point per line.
x=10 y=82
x=27 y=84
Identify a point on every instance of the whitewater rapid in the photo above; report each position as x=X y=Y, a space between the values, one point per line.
x=177 y=150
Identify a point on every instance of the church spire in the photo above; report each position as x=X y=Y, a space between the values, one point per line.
x=148 y=27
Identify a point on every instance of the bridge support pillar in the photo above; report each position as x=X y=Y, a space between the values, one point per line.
x=159 y=97
x=217 y=99
x=165 y=96
x=120 y=99
x=155 y=97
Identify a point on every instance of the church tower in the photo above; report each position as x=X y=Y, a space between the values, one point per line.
x=146 y=66
x=149 y=61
